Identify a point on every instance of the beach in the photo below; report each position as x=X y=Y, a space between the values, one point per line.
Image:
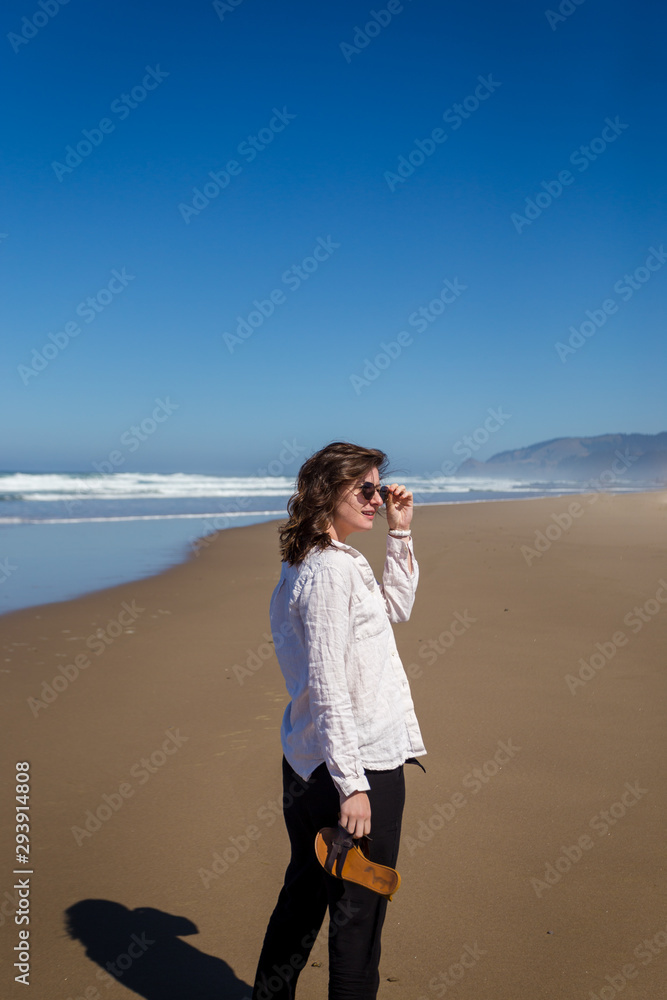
x=532 y=848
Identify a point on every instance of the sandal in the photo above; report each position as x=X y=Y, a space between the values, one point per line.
x=341 y=856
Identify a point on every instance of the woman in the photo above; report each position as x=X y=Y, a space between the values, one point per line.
x=350 y=725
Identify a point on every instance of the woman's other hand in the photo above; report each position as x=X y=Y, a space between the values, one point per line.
x=355 y=814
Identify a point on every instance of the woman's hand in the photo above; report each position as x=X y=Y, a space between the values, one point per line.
x=399 y=507
x=355 y=814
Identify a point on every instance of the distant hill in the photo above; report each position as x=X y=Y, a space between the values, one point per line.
x=636 y=457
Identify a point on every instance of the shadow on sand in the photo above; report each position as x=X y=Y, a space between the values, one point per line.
x=142 y=950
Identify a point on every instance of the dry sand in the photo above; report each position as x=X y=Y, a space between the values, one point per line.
x=178 y=753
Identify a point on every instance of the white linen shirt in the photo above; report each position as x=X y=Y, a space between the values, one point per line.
x=351 y=706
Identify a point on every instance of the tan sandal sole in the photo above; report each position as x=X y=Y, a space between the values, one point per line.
x=356 y=867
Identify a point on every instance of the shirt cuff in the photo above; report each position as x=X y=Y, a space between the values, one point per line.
x=398 y=548
x=349 y=785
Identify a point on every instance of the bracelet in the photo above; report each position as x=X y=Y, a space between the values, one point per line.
x=395 y=533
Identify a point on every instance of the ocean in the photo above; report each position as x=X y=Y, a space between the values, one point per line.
x=66 y=534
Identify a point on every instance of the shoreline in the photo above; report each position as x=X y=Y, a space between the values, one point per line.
x=196 y=542
x=155 y=765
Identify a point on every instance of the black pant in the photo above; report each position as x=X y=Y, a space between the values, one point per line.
x=356 y=914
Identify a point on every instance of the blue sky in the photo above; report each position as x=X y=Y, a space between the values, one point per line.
x=156 y=97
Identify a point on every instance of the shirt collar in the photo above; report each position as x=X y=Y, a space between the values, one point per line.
x=343 y=545
x=363 y=565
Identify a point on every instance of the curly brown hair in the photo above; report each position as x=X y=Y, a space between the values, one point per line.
x=319 y=483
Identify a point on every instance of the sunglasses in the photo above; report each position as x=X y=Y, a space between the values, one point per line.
x=367 y=490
